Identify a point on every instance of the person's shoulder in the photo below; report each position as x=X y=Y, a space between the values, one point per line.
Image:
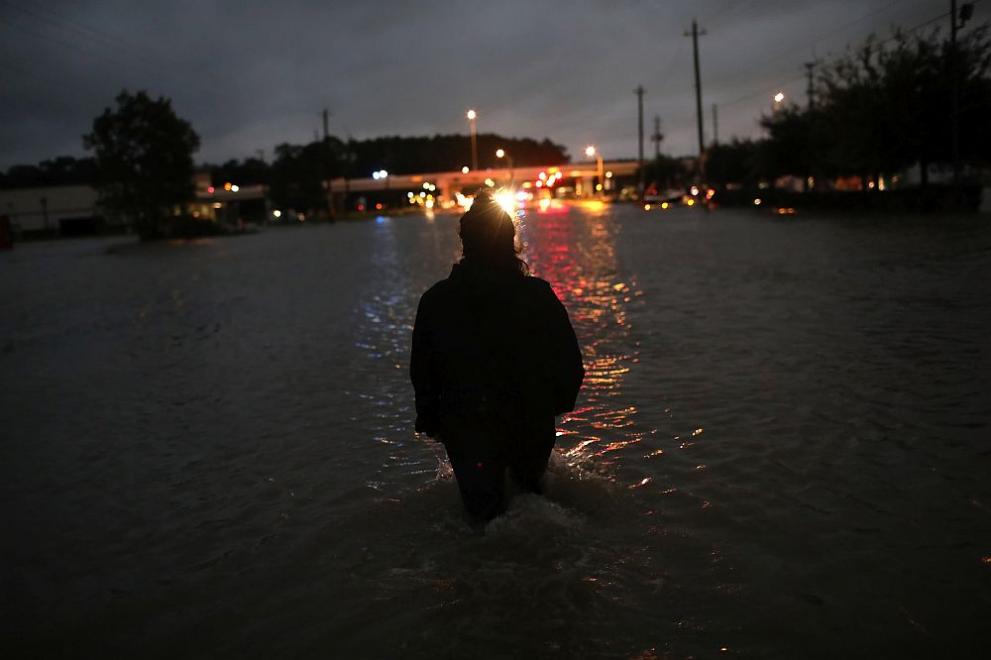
x=537 y=285
x=437 y=290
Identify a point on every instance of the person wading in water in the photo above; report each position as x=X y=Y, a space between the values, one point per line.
x=494 y=360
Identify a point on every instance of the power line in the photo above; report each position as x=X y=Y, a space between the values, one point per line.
x=821 y=37
x=764 y=90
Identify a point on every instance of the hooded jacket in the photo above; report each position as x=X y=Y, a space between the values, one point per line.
x=492 y=350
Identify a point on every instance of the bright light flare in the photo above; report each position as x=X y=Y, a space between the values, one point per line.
x=465 y=170
x=471 y=114
x=590 y=151
x=500 y=153
x=779 y=97
x=506 y=200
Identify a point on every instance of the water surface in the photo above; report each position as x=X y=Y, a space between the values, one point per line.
x=781 y=449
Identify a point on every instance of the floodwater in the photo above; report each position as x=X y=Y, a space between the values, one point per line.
x=781 y=449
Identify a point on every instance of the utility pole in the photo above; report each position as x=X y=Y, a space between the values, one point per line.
x=809 y=87
x=657 y=137
x=639 y=92
x=694 y=34
x=955 y=95
x=715 y=124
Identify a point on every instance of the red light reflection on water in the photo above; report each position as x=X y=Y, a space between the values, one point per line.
x=576 y=254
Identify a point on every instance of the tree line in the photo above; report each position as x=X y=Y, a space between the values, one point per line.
x=878 y=110
x=142 y=162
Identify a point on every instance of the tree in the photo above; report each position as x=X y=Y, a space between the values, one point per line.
x=736 y=161
x=144 y=160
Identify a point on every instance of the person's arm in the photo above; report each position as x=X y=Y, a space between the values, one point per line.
x=421 y=372
x=568 y=369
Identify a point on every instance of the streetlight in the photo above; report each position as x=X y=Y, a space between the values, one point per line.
x=472 y=116
x=501 y=153
x=381 y=175
x=591 y=152
x=778 y=100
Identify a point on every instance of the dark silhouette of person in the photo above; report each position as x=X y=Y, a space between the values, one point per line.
x=494 y=360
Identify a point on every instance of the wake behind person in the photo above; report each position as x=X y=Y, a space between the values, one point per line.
x=494 y=360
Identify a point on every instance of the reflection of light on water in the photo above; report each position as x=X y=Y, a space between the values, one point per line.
x=577 y=255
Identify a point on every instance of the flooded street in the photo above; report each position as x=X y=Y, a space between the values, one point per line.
x=781 y=449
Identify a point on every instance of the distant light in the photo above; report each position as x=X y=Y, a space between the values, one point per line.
x=779 y=97
x=217 y=205
x=227 y=186
x=426 y=185
x=489 y=182
x=690 y=202
x=664 y=205
x=694 y=190
x=409 y=194
x=378 y=206
x=540 y=184
x=234 y=188
x=500 y=153
x=465 y=170
x=646 y=207
x=542 y=176
x=757 y=201
x=210 y=190
x=277 y=213
x=589 y=151
x=609 y=174
x=471 y=114
x=598 y=186
x=423 y=194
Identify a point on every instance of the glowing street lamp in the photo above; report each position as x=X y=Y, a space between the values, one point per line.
x=473 y=129
x=381 y=175
x=779 y=99
x=501 y=153
x=592 y=152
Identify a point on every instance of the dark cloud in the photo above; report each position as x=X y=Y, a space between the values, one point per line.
x=249 y=75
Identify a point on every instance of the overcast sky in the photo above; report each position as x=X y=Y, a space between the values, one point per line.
x=250 y=75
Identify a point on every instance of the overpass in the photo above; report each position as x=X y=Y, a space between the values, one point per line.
x=581 y=177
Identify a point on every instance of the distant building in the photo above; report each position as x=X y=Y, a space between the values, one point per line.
x=64 y=210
